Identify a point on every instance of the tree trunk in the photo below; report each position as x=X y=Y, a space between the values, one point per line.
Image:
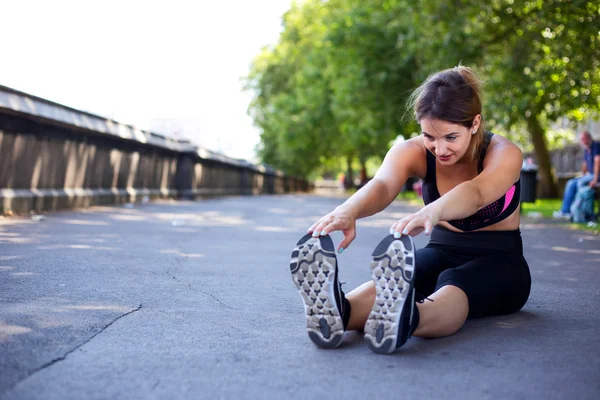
x=363 y=171
x=548 y=186
x=349 y=179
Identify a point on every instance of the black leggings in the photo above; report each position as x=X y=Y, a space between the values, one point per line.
x=488 y=266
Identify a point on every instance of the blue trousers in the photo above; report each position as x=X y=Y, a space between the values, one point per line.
x=571 y=190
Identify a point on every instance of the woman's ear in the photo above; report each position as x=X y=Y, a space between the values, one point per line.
x=476 y=122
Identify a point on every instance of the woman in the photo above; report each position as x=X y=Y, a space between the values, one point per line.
x=473 y=265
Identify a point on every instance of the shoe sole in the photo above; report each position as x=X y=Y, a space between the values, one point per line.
x=392 y=271
x=313 y=267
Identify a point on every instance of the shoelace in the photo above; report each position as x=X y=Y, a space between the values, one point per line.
x=423 y=298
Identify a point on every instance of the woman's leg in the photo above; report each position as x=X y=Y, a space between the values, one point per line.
x=492 y=285
x=443 y=316
x=361 y=302
x=430 y=263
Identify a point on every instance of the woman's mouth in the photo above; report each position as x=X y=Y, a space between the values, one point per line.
x=445 y=158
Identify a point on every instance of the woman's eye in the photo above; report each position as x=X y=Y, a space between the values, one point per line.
x=451 y=138
x=430 y=138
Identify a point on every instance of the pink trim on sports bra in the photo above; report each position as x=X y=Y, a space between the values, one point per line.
x=508 y=198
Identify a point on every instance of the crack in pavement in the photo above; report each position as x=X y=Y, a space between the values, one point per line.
x=63 y=357
x=217 y=299
x=180 y=262
x=190 y=287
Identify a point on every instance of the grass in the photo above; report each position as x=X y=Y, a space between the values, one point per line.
x=545 y=207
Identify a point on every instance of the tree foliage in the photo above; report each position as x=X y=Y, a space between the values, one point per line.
x=336 y=83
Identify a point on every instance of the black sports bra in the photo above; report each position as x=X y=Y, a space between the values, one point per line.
x=488 y=215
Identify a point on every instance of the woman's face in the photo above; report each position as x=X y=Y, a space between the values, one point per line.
x=446 y=140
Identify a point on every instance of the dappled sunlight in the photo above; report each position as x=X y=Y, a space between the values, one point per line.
x=210 y=218
x=76 y=247
x=7 y=258
x=185 y=230
x=377 y=223
x=15 y=221
x=16 y=240
x=572 y=250
x=50 y=313
x=94 y=307
x=24 y=273
x=179 y=253
x=281 y=211
x=83 y=222
x=591 y=238
x=6 y=330
x=553 y=263
x=92 y=240
x=120 y=209
x=272 y=229
x=128 y=217
x=514 y=322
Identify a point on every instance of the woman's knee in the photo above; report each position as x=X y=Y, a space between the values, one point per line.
x=429 y=264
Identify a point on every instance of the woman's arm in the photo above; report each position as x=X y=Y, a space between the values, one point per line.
x=402 y=161
x=501 y=169
x=398 y=165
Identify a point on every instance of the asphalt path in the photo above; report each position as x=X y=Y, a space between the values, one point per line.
x=194 y=300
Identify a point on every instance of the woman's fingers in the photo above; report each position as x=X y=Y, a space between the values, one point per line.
x=312 y=227
x=428 y=227
x=329 y=224
x=338 y=224
x=411 y=225
x=393 y=228
x=318 y=226
x=399 y=227
x=349 y=236
x=416 y=226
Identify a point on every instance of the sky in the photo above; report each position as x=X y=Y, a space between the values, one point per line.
x=169 y=66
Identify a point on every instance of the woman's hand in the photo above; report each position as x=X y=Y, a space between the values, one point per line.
x=423 y=220
x=337 y=220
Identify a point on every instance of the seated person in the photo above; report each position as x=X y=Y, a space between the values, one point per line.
x=590 y=169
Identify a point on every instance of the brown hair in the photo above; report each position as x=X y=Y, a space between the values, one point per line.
x=452 y=95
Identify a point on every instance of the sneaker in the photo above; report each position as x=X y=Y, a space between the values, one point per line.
x=561 y=215
x=392 y=319
x=314 y=272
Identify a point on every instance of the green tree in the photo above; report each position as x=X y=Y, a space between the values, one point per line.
x=540 y=60
x=291 y=103
x=336 y=83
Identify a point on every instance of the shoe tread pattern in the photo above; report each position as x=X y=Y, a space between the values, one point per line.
x=313 y=267
x=392 y=271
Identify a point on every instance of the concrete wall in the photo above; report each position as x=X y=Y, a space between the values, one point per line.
x=52 y=157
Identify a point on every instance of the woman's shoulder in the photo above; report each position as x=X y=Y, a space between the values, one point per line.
x=499 y=141
x=411 y=153
x=502 y=148
x=413 y=145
